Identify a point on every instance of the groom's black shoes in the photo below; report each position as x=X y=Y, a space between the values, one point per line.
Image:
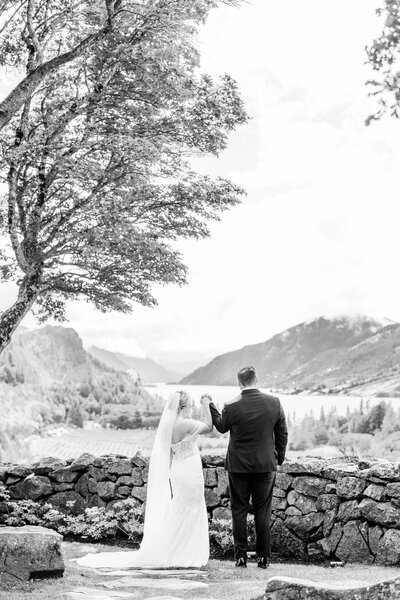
x=241 y=562
x=263 y=563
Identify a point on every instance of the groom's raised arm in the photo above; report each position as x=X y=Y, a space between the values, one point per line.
x=220 y=421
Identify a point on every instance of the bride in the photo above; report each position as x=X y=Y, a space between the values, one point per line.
x=175 y=530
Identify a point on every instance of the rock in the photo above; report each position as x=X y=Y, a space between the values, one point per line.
x=31 y=488
x=95 y=500
x=383 y=470
x=382 y=513
x=278 y=503
x=45 y=465
x=83 y=462
x=327 y=502
x=18 y=471
x=140 y=493
x=223 y=482
x=29 y=552
x=389 y=548
x=306 y=525
x=283 y=481
x=98 y=473
x=292 y=511
x=306 y=466
x=64 y=475
x=68 y=502
x=306 y=505
x=377 y=492
x=288 y=588
x=81 y=485
x=374 y=535
x=284 y=542
x=222 y=514
x=145 y=474
x=352 y=546
x=392 y=490
x=106 y=489
x=278 y=493
x=120 y=467
x=310 y=486
x=92 y=485
x=139 y=460
x=348 y=511
x=124 y=480
x=314 y=550
x=330 y=543
x=329 y=520
x=350 y=487
x=210 y=477
x=62 y=487
x=211 y=498
x=331 y=488
x=136 y=476
x=123 y=491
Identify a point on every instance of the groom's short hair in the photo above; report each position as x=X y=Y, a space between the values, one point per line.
x=247 y=376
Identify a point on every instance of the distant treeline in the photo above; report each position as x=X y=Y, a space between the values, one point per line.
x=372 y=430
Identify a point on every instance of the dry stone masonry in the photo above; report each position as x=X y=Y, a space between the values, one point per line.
x=344 y=509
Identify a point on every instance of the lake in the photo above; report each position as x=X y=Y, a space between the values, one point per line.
x=298 y=404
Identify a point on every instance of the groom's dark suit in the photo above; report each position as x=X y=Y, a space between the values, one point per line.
x=258 y=439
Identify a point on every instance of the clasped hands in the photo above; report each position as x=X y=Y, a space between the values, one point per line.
x=205 y=400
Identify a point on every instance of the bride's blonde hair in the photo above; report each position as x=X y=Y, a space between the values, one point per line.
x=185 y=400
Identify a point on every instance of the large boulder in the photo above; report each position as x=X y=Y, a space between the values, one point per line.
x=29 y=552
x=288 y=588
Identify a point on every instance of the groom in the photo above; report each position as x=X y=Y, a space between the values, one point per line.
x=258 y=439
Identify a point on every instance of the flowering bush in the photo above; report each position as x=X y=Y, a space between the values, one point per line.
x=221 y=537
x=94 y=523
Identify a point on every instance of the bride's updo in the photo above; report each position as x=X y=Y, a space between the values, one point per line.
x=185 y=401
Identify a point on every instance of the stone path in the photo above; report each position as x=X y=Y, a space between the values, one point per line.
x=160 y=580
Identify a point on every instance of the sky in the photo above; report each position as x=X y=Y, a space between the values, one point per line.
x=318 y=231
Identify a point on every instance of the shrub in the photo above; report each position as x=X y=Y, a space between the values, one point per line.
x=94 y=523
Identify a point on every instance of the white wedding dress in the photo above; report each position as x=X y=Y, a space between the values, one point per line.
x=176 y=524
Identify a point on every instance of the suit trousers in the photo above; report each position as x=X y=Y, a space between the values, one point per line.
x=260 y=487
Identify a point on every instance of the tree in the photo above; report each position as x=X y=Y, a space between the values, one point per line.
x=383 y=56
x=97 y=163
x=58 y=32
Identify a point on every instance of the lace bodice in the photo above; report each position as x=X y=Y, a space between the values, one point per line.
x=184 y=449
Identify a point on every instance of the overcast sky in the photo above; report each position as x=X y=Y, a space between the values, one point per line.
x=319 y=230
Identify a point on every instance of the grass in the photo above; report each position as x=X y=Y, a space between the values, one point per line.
x=225 y=581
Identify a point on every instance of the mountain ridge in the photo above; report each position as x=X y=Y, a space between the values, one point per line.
x=148 y=369
x=324 y=353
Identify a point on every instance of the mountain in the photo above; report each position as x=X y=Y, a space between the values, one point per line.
x=339 y=353
x=148 y=370
x=49 y=354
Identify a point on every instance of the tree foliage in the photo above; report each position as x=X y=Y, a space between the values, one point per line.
x=383 y=55
x=97 y=161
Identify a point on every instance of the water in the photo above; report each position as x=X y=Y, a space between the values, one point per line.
x=301 y=405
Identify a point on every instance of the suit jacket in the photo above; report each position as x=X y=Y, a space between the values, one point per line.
x=258 y=432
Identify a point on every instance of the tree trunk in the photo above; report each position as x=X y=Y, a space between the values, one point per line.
x=12 y=317
x=24 y=90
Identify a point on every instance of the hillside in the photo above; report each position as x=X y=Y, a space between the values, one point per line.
x=47 y=378
x=337 y=354
x=148 y=370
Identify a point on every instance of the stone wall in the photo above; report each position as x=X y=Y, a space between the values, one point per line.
x=345 y=510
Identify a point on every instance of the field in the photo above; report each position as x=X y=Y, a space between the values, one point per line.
x=71 y=443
